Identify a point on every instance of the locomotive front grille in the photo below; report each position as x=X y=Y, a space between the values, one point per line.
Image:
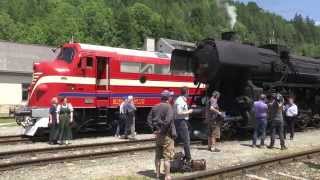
x=35 y=77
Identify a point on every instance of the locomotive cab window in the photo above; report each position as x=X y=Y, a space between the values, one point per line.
x=86 y=62
x=66 y=54
x=89 y=62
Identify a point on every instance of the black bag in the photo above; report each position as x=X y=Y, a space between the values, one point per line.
x=179 y=164
x=198 y=165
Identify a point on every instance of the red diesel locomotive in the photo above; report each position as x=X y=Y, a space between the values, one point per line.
x=96 y=79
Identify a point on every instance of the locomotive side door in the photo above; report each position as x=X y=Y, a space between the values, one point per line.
x=102 y=82
x=88 y=70
x=102 y=74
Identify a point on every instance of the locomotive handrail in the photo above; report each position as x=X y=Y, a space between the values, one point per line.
x=275 y=84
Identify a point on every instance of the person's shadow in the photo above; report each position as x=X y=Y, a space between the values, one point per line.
x=148 y=173
x=312 y=165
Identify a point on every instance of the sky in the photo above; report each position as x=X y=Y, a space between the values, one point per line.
x=288 y=8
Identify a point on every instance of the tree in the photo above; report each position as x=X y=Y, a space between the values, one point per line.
x=126 y=23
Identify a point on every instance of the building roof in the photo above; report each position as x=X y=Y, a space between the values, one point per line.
x=176 y=43
x=168 y=45
x=16 y=57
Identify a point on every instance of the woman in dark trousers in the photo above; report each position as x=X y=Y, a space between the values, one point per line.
x=291 y=112
x=65 y=118
x=53 y=124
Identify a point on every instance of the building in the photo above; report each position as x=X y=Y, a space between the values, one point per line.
x=16 y=61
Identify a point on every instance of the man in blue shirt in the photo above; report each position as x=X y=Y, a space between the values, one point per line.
x=261 y=111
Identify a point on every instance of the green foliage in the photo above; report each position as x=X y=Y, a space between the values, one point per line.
x=126 y=23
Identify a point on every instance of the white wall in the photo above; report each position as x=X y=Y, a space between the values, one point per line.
x=10 y=94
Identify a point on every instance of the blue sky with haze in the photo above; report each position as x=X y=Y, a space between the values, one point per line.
x=288 y=8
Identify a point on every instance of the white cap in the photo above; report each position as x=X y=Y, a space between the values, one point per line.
x=130 y=97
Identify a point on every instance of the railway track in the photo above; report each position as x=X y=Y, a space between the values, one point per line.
x=88 y=151
x=238 y=170
x=14 y=139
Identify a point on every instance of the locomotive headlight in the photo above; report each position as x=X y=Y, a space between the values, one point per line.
x=36 y=66
x=27 y=121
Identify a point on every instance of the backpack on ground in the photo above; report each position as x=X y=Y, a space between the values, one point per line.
x=179 y=164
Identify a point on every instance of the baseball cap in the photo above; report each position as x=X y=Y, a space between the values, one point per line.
x=166 y=93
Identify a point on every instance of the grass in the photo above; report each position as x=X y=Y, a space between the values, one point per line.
x=124 y=178
x=10 y=120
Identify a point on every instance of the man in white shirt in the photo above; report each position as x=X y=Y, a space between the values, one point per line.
x=291 y=112
x=181 y=121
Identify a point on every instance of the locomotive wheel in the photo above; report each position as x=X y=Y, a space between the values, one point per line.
x=316 y=122
x=228 y=131
x=302 y=121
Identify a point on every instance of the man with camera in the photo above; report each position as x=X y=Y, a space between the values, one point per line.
x=277 y=122
x=214 y=118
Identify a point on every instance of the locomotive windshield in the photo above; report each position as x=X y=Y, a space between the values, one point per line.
x=66 y=54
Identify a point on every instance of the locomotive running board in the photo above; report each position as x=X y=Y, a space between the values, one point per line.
x=281 y=84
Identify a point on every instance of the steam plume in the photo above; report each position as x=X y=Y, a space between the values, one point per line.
x=231 y=11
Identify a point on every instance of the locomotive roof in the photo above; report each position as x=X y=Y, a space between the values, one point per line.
x=233 y=53
x=127 y=52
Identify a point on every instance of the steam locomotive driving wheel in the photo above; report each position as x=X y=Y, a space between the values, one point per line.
x=302 y=121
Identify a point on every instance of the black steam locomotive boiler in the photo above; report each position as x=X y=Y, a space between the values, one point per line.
x=242 y=71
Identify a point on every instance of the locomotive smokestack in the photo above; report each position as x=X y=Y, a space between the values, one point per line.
x=229 y=36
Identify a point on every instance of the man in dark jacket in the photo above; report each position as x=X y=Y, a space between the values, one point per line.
x=277 y=123
x=129 y=109
x=160 y=119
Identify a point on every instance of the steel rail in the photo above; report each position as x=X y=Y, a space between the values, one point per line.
x=10 y=136
x=242 y=168
x=13 y=139
x=71 y=147
x=18 y=139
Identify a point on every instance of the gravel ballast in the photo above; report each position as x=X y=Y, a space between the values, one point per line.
x=141 y=166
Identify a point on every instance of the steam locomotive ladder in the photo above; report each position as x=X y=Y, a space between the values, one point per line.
x=285 y=70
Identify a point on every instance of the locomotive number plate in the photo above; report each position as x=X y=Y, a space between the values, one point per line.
x=137 y=101
x=88 y=100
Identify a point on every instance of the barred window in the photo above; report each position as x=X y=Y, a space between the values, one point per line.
x=25 y=87
x=130 y=67
x=144 y=68
x=161 y=69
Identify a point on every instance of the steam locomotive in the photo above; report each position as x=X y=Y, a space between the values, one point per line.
x=243 y=71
